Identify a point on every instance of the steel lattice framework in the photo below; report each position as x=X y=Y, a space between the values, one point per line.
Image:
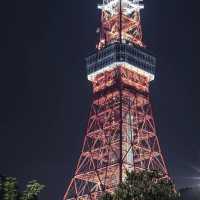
x=120 y=20
x=120 y=134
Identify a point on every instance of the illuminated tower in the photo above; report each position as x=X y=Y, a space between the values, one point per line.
x=120 y=133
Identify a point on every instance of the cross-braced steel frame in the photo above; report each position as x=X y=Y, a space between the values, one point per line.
x=120 y=135
x=118 y=24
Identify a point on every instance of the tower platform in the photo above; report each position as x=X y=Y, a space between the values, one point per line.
x=130 y=56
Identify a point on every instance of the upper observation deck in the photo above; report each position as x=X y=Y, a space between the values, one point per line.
x=119 y=54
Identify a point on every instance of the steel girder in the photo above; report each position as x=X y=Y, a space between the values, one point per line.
x=120 y=135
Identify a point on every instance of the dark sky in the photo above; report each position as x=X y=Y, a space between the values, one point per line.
x=45 y=96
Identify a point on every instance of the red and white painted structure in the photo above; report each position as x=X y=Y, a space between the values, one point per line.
x=121 y=133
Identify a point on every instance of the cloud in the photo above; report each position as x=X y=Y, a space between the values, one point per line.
x=197 y=169
x=193 y=177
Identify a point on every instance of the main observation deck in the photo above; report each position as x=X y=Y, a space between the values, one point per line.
x=118 y=54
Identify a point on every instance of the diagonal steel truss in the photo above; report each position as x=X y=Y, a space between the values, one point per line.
x=120 y=135
x=120 y=21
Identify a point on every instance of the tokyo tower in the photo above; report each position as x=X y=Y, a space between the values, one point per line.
x=120 y=134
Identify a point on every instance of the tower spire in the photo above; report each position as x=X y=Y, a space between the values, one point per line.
x=120 y=22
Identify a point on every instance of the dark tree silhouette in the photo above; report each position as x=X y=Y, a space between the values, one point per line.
x=144 y=185
x=9 y=189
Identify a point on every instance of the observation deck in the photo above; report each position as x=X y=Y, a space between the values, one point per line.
x=118 y=54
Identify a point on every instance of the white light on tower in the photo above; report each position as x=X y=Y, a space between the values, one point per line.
x=128 y=6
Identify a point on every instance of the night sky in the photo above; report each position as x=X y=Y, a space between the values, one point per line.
x=45 y=96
